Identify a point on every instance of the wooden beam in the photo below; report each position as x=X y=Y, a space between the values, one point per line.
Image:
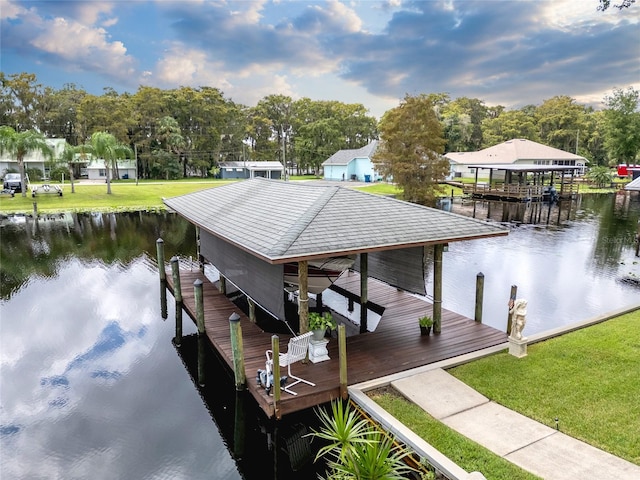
x=364 y=292
x=303 y=298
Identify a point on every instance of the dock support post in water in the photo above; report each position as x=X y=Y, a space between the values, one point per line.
x=364 y=291
x=437 y=287
x=479 y=296
x=342 y=359
x=512 y=299
x=163 y=277
x=275 y=349
x=197 y=290
x=237 y=350
x=177 y=294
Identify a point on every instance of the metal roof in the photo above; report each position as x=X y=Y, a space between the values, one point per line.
x=512 y=151
x=633 y=185
x=254 y=165
x=284 y=221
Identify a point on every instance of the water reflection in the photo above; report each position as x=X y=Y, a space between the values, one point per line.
x=568 y=272
x=92 y=387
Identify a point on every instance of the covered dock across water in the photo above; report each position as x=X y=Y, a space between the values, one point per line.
x=249 y=230
x=523 y=183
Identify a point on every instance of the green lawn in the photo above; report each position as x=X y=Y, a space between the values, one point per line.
x=464 y=452
x=125 y=196
x=589 y=380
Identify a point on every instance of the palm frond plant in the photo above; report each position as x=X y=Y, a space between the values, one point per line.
x=357 y=449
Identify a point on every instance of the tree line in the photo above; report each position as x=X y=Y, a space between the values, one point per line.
x=189 y=131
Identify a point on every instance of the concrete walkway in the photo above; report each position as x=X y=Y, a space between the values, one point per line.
x=535 y=447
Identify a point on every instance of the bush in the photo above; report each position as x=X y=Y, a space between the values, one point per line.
x=58 y=173
x=35 y=174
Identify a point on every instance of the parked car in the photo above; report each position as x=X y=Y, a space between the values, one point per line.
x=13 y=182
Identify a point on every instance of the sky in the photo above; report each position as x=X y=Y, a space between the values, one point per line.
x=372 y=52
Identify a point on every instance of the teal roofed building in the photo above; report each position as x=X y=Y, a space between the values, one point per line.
x=353 y=164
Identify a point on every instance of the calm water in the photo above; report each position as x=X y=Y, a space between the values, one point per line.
x=92 y=387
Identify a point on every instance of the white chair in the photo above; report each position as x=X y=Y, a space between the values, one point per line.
x=296 y=351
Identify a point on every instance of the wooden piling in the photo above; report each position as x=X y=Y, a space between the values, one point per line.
x=237 y=350
x=512 y=299
x=199 y=300
x=437 y=287
x=479 y=296
x=162 y=270
x=275 y=349
x=342 y=358
x=222 y=285
x=177 y=294
x=160 y=255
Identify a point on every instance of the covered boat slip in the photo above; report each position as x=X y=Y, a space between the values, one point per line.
x=395 y=346
x=520 y=182
x=251 y=229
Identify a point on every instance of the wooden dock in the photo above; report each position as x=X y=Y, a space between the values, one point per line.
x=395 y=345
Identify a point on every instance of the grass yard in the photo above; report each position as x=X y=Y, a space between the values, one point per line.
x=464 y=452
x=125 y=196
x=588 y=379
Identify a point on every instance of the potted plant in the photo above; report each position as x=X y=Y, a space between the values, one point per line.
x=319 y=323
x=425 y=323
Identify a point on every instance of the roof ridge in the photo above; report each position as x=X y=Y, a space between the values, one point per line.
x=291 y=235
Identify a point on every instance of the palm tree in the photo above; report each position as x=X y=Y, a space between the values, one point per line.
x=104 y=145
x=19 y=144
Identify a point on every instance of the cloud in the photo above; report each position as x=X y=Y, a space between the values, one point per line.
x=64 y=40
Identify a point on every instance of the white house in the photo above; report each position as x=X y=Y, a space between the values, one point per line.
x=353 y=164
x=34 y=159
x=95 y=169
x=516 y=151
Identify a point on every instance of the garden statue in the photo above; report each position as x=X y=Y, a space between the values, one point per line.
x=518 y=312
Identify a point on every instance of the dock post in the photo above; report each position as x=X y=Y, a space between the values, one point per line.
x=342 y=359
x=222 y=285
x=237 y=350
x=160 y=256
x=252 y=310
x=364 y=292
x=437 y=287
x=275 y=348
x=479 y=296
x=197 y=290
x=512 y=298
x=177 y=294
x=162 y=270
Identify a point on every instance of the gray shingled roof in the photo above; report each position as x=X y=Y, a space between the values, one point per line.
x=343 y=157
x=283 y=221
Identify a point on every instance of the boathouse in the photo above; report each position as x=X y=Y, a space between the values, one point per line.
x=251 y=229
